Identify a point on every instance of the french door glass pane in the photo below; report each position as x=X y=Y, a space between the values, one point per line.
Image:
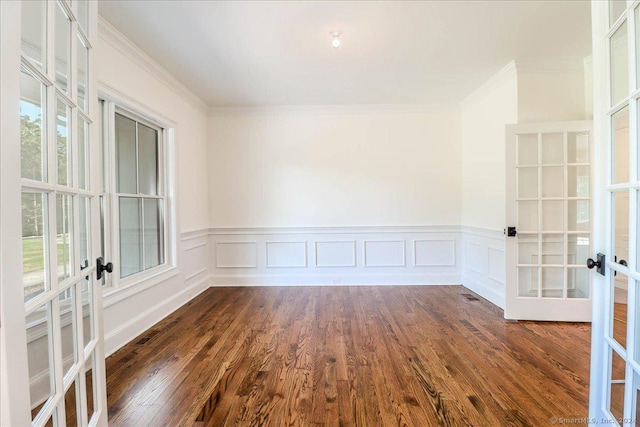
x=620 y=146
x=552 y=215
x=577 y=147
x=528 y=216
x=552 y=149
x=71 y=403
x=87 y=311
x=579 y=214
x=578 y=283
x=130 y=236
x=83 y=161
x=90 y=384
x=83 y=60
x=619 y=303
x=528 y=249
x=552 y=282
x=527 y=149
x=33 y=153
x=34 y=243
x=40 y=357
x=619 y=64
x=62 y=144
x=616 y=7
x=85 y=227
x=527 y=281
x=527 y=182
x=126 y=155
x=552 y=181
x=552 y=249
x=147 y=160
x=616 y=384
x=83 y=15
x=63 y=48
x=68 y=329
x=621 y=225
x=152 y=234
x=64 y=240
x=579 y=248
x=34 y=30
x=578 y=185
x=637 y=325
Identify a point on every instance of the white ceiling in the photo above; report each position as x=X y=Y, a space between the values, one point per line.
x=258 y=53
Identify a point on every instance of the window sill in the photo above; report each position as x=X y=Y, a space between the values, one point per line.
x=138 y=284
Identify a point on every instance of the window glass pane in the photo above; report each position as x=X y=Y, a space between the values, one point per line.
x=617 y=380
x=126 y=155
x=552 y=149
x=619 y=67
x=621 y=225
x=620 y=146
x=34 y=25
x=68 y=329
x=616 y=7
x=619 y=305
x=527 y=216
x=147 y=159
x=33 y=164
x=83 y=58
x=39 y=357
x=528 y=281
x=34 y=244
x=552 y=282
x=552 y=249
x=579 y=247
x=62 y=144
x=528 y=249
x=153 y=255
x=552 y=215
x=64 y=212
x=83 y=153
x=552 y=181
x=63 y=48
x=130 y=236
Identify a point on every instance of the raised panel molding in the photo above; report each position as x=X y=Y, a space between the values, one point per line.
x=236 y=255
x=431 y=253
x=195 y=260
x=336 y=254
x=473 y=258
x=384 y=253
x=286 y=254
x=496 y=267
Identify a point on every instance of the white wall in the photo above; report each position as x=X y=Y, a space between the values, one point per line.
x=124 y=69
x=335 y=166
x=549 y=95
x=483 y=118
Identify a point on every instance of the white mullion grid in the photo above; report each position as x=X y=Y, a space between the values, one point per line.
x=79 y=374
x=565 y=189
x=540 y=215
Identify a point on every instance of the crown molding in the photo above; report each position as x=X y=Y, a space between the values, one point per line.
x=115 y=38
x=505 y=74
x=335 y=109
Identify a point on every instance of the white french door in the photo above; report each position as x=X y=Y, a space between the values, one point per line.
x=615 y=357
x=549 y=217
x=51 y=304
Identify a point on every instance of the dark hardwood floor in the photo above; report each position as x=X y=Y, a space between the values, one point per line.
x=339 y=356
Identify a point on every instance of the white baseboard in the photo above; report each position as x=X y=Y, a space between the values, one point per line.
x=481 y=288
x=130 y=329
x=343 y=280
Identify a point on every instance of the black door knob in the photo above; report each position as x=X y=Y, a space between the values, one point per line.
x=591 y=263
x=101 y=266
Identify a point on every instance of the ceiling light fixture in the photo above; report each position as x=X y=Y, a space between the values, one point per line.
x=336 y=38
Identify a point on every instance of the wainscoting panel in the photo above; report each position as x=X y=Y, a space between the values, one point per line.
x=286 y=254
x=336 y=256
x=383 y=253
x=434 y=253
x=483 y=263
x=236 y=255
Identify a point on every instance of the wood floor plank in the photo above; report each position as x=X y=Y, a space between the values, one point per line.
x=348 y=356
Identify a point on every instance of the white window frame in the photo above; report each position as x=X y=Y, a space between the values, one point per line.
x=116 y=288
